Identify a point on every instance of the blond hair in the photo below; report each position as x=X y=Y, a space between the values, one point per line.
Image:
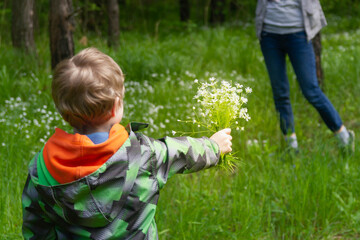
x=85 y=88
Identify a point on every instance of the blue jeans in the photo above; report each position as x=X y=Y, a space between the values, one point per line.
x=275 y=47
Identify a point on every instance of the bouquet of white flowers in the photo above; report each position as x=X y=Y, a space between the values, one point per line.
x=220 y=105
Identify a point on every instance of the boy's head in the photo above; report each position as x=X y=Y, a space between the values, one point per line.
x=86 y=87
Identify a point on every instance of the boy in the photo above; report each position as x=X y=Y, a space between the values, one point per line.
x=103 y=181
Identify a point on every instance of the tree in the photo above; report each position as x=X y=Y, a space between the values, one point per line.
x=113 y=18
x=22 y=29
x=317 y=50
x=184 y=10
x=61 y=29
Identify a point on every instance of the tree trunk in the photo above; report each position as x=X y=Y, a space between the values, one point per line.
x=217 y=14
x=184 y=10
x=317 y=50
x=61 y=29
x=22 y=31
x=113 y=17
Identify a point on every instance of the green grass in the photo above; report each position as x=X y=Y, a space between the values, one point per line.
x=273 y=195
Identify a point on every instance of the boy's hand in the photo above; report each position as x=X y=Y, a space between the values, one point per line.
x=223 y=139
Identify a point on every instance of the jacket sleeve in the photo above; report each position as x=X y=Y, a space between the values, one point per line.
x=36 y=225
x=183 y=155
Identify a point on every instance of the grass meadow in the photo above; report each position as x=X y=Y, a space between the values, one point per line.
x=272 y=195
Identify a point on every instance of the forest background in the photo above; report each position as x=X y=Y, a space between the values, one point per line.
x=162 y=49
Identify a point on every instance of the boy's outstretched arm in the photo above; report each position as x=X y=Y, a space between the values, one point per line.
x=187 y=154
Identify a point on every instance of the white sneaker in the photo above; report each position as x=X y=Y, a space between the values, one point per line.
x=349 y=148
x=291 y=143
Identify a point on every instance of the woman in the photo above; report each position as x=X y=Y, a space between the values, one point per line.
x=286 y=27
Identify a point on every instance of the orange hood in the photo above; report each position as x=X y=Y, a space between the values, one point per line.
x=69 y=157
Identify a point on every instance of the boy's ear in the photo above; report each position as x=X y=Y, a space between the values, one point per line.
x=115 y=107
x=113 y=110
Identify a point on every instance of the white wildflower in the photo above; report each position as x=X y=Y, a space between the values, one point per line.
x=242 y=112
x=247 y=117
x=248 y=90
x=244 y=100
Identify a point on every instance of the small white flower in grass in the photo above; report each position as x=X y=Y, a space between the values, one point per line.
x=173 y=132
x=3 y=144
x=196 y=81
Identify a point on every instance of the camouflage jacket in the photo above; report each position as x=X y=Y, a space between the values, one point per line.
x=117 y=201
